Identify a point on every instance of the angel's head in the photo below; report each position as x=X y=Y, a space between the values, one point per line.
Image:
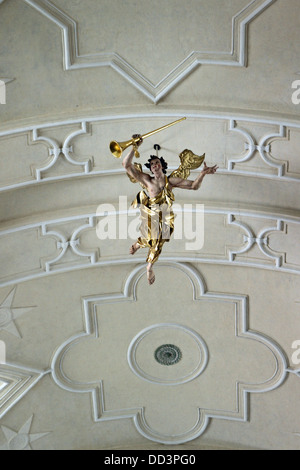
x=153 y=160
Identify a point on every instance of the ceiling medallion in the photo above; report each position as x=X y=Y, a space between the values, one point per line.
x=168 y=355
x=145 y=358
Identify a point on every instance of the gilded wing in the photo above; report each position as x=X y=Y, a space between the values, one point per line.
x=138 y=167
x=189 y=161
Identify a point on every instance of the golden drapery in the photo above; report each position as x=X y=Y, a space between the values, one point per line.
x=157 y=220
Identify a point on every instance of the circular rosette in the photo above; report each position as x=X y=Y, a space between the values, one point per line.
x=185 y=353
x=168 y=354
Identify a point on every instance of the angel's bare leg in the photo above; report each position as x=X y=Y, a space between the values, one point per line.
x=150 y=274
x=134 y=248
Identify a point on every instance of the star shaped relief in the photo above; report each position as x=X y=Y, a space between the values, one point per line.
x=22 y=439
x=8 y=314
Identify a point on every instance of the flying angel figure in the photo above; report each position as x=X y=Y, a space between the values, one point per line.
x=156 y=199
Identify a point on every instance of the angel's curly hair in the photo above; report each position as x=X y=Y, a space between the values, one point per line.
x=162 y=161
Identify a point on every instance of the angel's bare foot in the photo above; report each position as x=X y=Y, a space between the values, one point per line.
x=150 y=274
x=134 y=248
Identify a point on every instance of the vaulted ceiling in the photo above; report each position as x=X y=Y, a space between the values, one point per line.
x=84 y=340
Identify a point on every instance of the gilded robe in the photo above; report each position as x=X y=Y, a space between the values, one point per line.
x=157 y=220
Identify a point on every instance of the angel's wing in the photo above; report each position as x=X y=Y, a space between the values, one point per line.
x=189 y=161
x=138 y=167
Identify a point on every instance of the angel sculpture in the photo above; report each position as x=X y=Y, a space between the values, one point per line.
x=157 y=218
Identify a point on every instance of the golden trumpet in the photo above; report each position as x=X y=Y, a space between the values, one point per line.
x=117 y=148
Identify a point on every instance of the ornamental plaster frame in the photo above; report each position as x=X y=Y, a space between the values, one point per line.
x=55 y=151
x=251 y=146
x=72 y=60
x=199 y=289
x=273 y=261
x=19 y=380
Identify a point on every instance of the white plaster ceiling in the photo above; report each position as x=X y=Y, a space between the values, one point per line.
x=79 y=324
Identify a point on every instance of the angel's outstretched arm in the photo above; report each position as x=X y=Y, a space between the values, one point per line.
x=132 y=171
x=193 y=185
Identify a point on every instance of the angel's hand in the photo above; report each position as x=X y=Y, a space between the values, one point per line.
x=209 y=170
x=138 y=142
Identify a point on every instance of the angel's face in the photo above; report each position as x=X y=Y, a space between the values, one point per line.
x=156 y=166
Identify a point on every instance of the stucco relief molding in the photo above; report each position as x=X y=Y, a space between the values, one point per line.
x=263 y=147
x=295 y=372
x=16 y=381
x=55 y=150
x=65 y=148
x=65 y=243
x=204 y=416
x=72 y=60
x=261 y=240
x=7 y=80
x=91 y=258
x=4 y=81
x=9 y=314
x=21 y=439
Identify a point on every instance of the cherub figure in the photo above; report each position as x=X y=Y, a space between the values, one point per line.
x=156 y=199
